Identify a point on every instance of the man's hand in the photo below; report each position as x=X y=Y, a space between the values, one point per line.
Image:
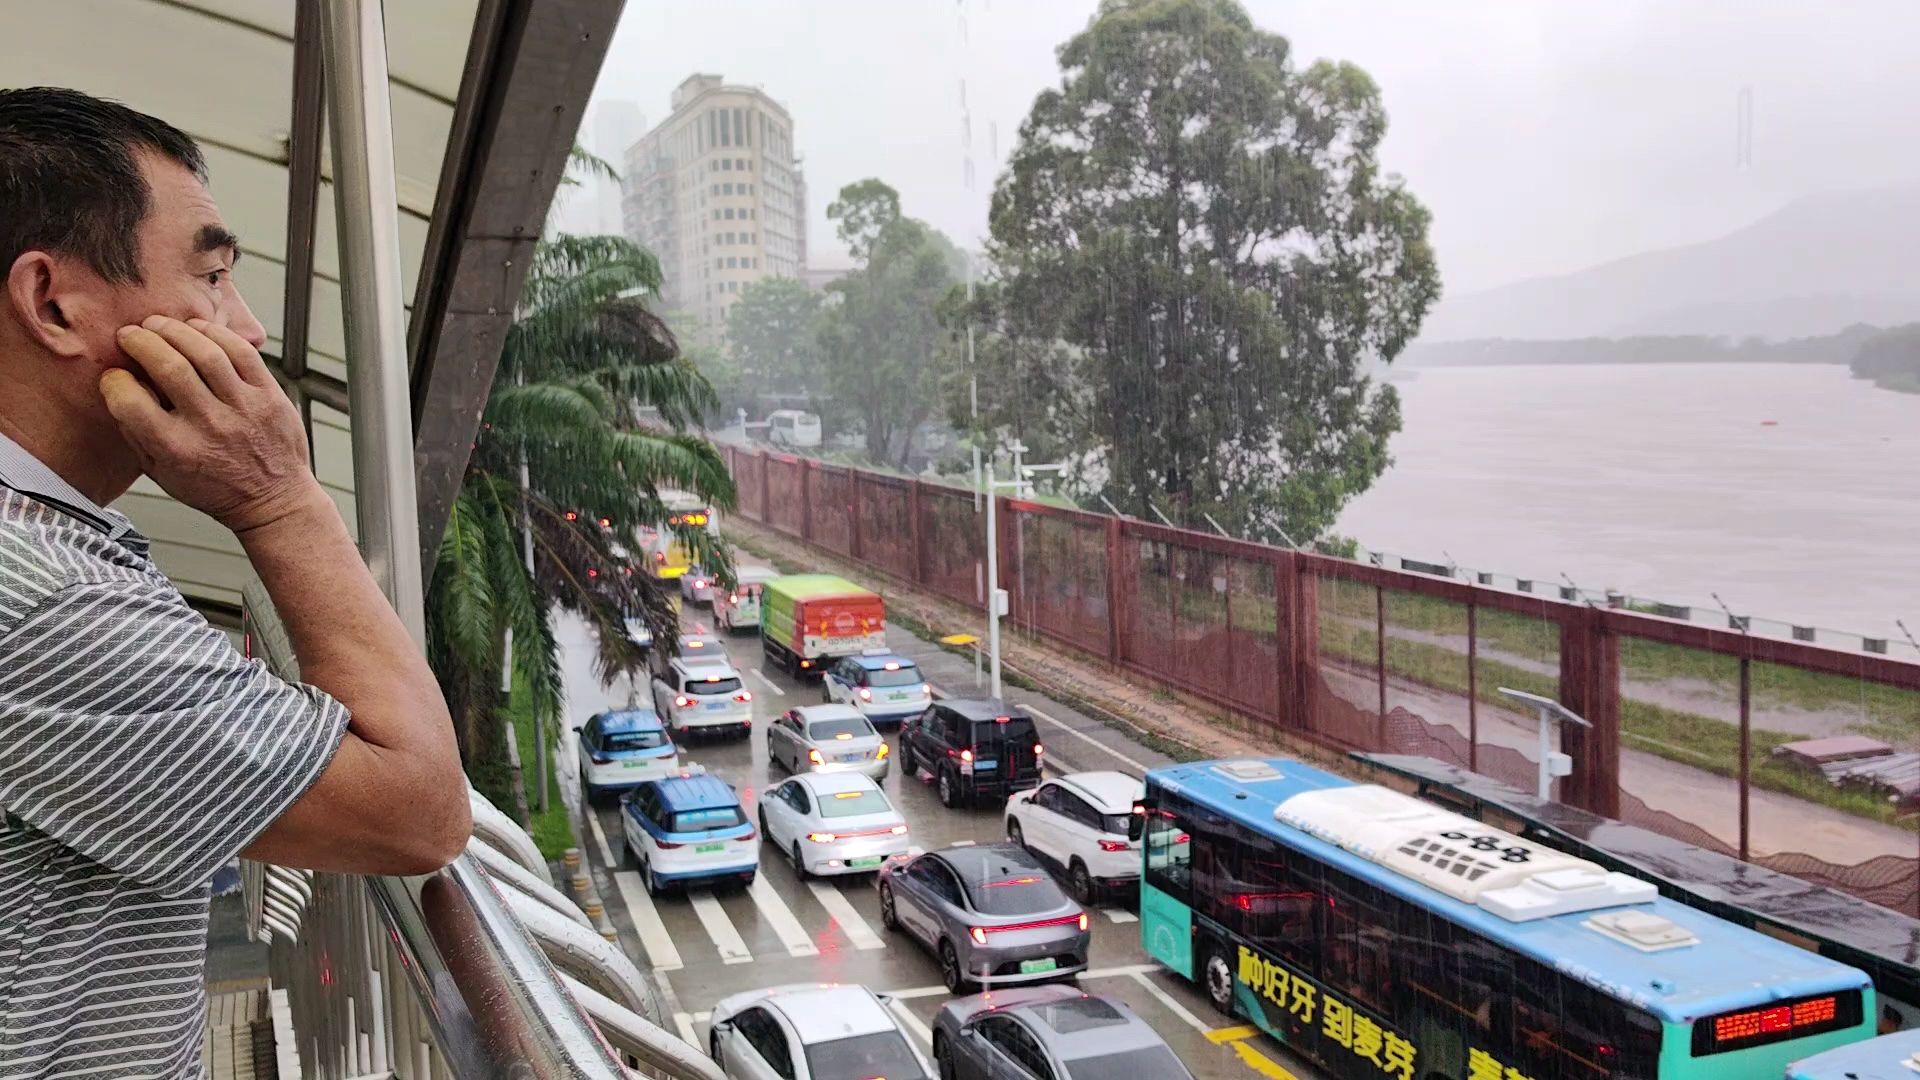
x=232 y=445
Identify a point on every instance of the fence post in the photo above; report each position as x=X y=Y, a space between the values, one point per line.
x=807 y=469
x=766 y=507
x=1380 y=658
x=1590 y=686
x=1114 y=621
x=1473 y=688
x=1746 y=747
x=914 y=506
x=1304 y=585
x=853 y=515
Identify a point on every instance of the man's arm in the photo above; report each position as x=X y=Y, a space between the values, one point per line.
x=394 y=798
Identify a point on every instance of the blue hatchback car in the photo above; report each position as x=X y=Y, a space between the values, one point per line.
x=689 y=829
x=622 y=748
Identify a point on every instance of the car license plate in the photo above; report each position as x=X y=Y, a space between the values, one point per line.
x=715 y=706
x=898 y=696
x=865 y=860
x=708 y=849
x=636 y=763
x=1035 y=967
x=987 y=765
x=858 y=756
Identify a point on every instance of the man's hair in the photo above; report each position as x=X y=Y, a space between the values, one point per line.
x=70 y=179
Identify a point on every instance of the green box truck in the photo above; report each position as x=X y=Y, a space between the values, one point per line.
x=807 y=621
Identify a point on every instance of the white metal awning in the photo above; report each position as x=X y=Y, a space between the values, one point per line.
x=485 y=96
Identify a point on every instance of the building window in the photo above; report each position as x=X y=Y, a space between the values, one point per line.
x=713 y=166
x=726 y=164
x=726 y=189
x=739 y=122
x=728 y=212
x=716 y=263
x=733 y=263
x=716 y=215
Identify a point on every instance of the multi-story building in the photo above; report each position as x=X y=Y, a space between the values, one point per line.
x=715 y=191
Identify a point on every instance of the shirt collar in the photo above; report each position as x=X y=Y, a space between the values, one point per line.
x=29 y=476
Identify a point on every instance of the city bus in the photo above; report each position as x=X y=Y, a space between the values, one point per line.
x=1380 y=935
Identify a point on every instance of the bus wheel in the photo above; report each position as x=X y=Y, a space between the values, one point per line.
x=1217 y=976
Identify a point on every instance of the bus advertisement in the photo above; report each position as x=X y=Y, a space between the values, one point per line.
x=1382 y=936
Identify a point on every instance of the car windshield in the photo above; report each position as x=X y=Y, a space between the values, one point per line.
x=853 y=803
x=712 y=818
x=1016 y=729
x=634 y=740
x=906 y=675
x=850 y=727
x=881 y=1054
x=1013 y=889
x=712 y=687
x=1117 y=824
x=1146 y=1063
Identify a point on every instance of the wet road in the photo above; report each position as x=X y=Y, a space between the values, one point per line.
x=706 y=945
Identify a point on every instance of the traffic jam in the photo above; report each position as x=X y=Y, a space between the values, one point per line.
x=837 y=868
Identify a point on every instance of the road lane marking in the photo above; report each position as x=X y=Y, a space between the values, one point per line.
x=1230 y=1034
x=1119 y=915
x=684 y=1023
x=913 y=1023
x=600 y=837
x=842 y=910
x=769 y=683
x=1146 y=983
x=646 y=922
x=1260 y=1062
x=1086 y=738
x=780 y=917
x=733 y=948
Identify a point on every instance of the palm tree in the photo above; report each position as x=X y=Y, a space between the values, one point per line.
x=590 y=417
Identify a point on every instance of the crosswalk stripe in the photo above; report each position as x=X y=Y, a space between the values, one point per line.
x=792 y=934
x=1172 y=1006
x=733 y=949
x=646 y=922
x=913 y=1023
x=1119 y=915
x=684 y=1024
x=842 y=910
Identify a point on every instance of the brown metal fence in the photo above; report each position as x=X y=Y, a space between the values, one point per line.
x=1685 y=717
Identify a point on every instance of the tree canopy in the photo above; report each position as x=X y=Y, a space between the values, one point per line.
x=1206 y=226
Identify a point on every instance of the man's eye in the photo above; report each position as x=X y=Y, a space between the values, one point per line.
x=216 y=277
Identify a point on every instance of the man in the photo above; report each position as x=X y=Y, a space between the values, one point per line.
x=138 y=751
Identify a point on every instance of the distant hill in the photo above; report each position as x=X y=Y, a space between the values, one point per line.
x=1814 y=267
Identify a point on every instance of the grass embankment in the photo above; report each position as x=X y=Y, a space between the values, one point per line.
x=552 y=832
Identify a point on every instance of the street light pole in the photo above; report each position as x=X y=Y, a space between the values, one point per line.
x=996 y=596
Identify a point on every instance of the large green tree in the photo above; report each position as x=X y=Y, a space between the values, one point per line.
x=593 y=399
x=1208 y=226
x=880 y=334
x=772 y=335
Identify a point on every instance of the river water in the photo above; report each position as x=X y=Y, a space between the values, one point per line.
x=1666 y=482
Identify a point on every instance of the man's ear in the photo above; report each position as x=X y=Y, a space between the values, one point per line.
x=45 y=295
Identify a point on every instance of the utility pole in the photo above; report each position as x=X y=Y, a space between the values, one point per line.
x=1019 y=485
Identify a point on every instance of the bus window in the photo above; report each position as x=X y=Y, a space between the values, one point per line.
x=1357 y=952
x=1169 y=855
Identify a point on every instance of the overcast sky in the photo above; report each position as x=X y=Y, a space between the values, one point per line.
x=1545 y=136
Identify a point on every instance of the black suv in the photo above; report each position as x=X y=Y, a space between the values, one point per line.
x=973 y=748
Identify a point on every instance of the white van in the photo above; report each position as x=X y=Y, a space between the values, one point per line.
x=792 y=427
x=740 y=609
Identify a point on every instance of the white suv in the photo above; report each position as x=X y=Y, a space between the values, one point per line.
x=703 y=696
x=1078 y=822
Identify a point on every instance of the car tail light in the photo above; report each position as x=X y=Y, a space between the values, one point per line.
x=667 y=845
x=978 y=935
x=699 y=583
x=865 y=694
x=1113 y=845
x=598 y=760
x=881 y=754
x=1083 y=920
x=814 y=756
x=1039 y=751
x=681 y=701
x=806 y=663
x=660 y=557
x=734 y=599
x=744 y=695
x=751 y=834
x=898 y=830
x=822 y=837
x=966 y=756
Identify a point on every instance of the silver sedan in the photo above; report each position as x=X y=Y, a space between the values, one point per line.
x=827 y=738
x=989 y=913
x=997 y=1036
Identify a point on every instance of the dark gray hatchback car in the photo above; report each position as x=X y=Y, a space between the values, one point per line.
x=1050 y=1032
x=990 y=913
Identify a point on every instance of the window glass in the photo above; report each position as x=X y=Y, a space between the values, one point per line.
x=1169 y=854
x=854 y=804
x=851 y=727
x=904 y=675
x=935 y=875
x=763 y=1033
x=712 y=687
x=710 y=819
x=881 y=1054
x=634 y=740
x=802 y=800
x=1075 y=809
x=1147 y=1063
x=1047 y=798
x=1026 y=1051
x=739 y=124
x=1357 y=946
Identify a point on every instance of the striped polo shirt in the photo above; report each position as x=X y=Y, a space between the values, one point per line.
x=139 y=753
